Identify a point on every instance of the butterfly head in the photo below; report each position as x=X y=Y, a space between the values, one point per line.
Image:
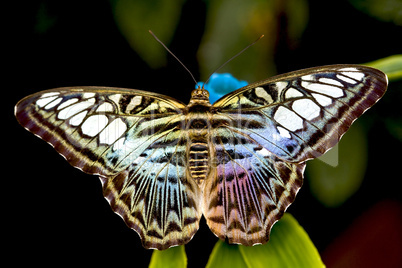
x=199 y=95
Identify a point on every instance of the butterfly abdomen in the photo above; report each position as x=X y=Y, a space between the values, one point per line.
x=197 y=149
x=198 y=161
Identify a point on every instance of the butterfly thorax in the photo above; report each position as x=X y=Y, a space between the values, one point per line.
x=198 y=125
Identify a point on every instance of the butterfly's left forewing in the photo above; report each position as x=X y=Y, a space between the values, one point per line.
x=134 y=141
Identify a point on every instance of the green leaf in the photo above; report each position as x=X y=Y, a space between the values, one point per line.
x=134 y=19
x=391 y=66
x=337 y=175
x=225 y=255
x=289 y=246
x=174 y=257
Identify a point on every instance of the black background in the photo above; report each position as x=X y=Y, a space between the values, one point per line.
x=56 y=214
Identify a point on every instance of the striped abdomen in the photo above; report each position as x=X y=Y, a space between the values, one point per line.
x=198 y=153
x=198 y=160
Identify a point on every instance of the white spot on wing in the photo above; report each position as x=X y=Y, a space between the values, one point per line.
x=283 y=132
x=94 y=124
x=77 y=119
x=332 y=91
x=306 y=108
x=352 y=73
x=346 y=79
x=115 y=98
x=293 y=93
x=134 y=102
x=49 y=94
x=53 y=103
x=281 y=86
x=75 y=108
x=44 y=101
x=67 y=103
x=112 y=132
x=105 y=107
x=321 y=99
x=331 y=82
x=88 y=95
x=308 y=77
x=263 y=152
x=288 y=119
x=262 y=93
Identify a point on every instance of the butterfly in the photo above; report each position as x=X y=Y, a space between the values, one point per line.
x=238 y=162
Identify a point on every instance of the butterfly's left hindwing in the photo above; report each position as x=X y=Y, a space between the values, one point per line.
x=134 y=141
x=248 y=190
x=301 y=115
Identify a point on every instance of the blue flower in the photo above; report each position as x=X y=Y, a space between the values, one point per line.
x=221 y=84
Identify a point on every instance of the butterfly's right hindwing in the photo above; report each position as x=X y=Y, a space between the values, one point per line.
x=154 y=198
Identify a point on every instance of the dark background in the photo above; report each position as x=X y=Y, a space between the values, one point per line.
x=57 y=215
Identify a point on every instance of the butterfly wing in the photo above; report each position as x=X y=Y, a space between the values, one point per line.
x=300 y=115
x=134 y=141
x=249 y=189
x=264 y=132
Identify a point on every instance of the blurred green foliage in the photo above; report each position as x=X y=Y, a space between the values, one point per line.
x=386 y=10
x=135 y=18
x=231 y=25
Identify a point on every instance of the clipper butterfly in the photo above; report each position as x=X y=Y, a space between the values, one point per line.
x=239 y=162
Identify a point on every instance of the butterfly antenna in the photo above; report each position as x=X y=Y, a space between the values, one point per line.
x=171 y=53
x=229 y=60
